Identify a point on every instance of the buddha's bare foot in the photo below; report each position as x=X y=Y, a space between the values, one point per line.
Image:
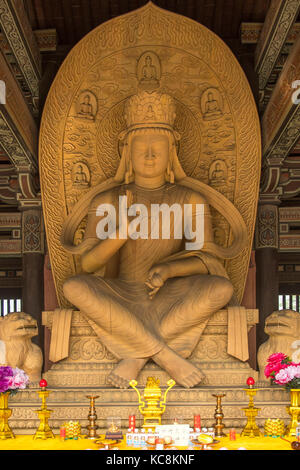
x=182 y=371
x=126 y=370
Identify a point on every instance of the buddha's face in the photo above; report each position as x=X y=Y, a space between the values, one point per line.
x=150 y=154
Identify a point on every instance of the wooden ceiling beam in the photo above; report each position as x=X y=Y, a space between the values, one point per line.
x=18 y=131
x=279 y=20
x=18 y=33
x=46 y=40
x=250 y=32
x=282 y=107
x=281 y=121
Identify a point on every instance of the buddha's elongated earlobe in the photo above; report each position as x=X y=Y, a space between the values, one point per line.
x=129 y=175
x=170 y=177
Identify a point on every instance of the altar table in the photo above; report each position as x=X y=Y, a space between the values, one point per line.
x=26 y=442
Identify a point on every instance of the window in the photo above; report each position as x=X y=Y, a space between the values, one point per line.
x=10 y=305
x=289 y=302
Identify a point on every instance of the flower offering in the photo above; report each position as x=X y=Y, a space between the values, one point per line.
x=283 y=371
x=12 y=379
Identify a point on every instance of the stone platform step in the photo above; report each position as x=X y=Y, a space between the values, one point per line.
x=70 y=403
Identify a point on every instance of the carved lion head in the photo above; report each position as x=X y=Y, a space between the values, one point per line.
x=17 y=324
x=283 y=323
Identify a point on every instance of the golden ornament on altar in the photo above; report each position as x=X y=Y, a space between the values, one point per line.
x=73 y=429
x=294 y=411
x=44 y=431
x=152 y=408
x=251 y=429
x=113 y=428
x=274 y=427
x=5 y=413
x=205 y=439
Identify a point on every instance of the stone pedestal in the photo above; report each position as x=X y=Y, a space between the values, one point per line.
x=89 y=362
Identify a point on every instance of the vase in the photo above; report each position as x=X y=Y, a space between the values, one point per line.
x=294 y=411
x=5 y=413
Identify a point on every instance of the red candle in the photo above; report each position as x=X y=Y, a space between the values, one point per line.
x=132 y=422
x=232 y=435
x=62 y=432
x=197 y=422
x=43 y=383
x=250 y=381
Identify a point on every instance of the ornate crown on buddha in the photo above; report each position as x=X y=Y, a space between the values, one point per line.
x=149 y=110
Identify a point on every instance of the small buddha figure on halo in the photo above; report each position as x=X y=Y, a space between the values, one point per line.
x=156 y=296
x=148 y=75
x=218 y=175
x=212 y=108
x=80 y=178
x=149 y=70
x=86 y=108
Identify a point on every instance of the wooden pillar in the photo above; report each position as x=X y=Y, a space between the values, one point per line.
x=33 y=262
x=33 y=291
x=266 y=258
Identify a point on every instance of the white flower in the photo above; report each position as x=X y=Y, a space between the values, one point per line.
x=20 y=379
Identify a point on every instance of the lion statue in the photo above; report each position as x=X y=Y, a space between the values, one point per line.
x=283 y=328
x=16 y=348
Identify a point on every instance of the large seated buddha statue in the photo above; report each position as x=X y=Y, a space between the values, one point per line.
x=149 y=254
x=156 y=296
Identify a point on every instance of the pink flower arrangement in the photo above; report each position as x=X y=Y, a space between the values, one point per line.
x=12 y=379
x=282 y=371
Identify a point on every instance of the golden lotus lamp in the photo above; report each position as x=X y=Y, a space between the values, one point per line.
x=44 y=431
x=251 y=429
x=152 y=407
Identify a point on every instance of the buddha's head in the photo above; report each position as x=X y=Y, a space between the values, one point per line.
x=149 y=142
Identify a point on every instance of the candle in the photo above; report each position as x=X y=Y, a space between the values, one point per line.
x=250 y=381
x=159 y=444
x=132 y=422
x=232 y=435
x=197 y=422
x=62 y=432
x=43 y=383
